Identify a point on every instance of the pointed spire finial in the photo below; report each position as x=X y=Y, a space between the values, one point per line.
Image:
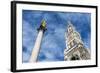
x=70 y=24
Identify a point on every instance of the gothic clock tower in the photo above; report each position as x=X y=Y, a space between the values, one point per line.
x=75 y=49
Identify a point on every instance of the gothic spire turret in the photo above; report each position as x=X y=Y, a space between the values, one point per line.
x=74 y=44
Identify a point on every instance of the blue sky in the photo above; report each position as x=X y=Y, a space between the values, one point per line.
x=53 y=42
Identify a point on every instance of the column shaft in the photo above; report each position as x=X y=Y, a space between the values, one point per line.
x=36 y=47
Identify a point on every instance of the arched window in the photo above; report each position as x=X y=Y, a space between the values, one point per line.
x=74 y=41
x=75 y=57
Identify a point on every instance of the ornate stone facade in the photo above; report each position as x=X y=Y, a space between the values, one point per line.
x=75 y=49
